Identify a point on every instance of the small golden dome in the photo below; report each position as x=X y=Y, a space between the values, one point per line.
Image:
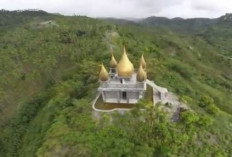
x=103 y=75
x=143 y=62
x=141 y=75
x=113 y=62
x=125 y=67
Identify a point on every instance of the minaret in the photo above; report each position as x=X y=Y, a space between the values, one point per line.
x=113 y=62
x=103 y=75
x=113 y=66
x=142 y=62
x=125 y=68
x=141 y=75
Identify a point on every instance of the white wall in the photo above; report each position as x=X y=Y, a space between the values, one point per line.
x=116 y=96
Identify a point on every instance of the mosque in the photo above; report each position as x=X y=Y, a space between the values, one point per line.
x=124 y=84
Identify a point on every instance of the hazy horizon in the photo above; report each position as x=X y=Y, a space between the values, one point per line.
x=126 y=8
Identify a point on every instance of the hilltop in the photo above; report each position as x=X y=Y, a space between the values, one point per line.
x=49 y=68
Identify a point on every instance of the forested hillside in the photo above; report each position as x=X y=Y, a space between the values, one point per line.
x=49 y=68
x=217 y=32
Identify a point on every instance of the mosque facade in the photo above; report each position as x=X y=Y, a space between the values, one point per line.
x=123 y=84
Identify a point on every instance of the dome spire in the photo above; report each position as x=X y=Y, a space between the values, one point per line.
x=125 y=67
x=142 y=62
x=113 y=62
x=103 y=75
x=124 y=49
x=141 y=75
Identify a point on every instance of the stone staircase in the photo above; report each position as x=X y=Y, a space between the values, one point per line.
x=156 y=91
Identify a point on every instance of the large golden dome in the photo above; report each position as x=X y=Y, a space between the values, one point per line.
x=103 y=75
x=125 y=67
x=142 y=62
x=141 y=75
x=113 y=62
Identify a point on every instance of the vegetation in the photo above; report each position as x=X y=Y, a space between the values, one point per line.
x=49 y=75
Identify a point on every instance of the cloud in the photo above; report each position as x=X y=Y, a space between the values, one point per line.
x=187 y=9
x=126 y=8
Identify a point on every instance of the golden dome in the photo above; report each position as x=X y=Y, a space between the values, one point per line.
x=125 y=67
x=103 y=75
x=142 y=62
x=113 y=62
x=141 y=75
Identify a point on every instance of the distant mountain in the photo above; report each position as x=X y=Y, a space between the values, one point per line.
x=216 y=32
x=227 y=17
x=179 y=24
x=13 y=18
x=123 y=21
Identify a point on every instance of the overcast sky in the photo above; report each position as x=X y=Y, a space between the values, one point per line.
x=126 y=8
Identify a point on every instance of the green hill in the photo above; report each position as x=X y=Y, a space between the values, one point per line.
x=216 y=32
x=49 y=76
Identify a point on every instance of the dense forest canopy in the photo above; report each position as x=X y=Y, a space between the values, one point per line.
x=49 y=76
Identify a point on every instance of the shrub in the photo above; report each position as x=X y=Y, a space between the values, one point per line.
x=212 y=109
x=208 y=103
x=205 y=121
x=205 y=101
x=186 y=99
x=189 y=117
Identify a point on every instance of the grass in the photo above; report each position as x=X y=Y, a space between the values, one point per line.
x=110 y=106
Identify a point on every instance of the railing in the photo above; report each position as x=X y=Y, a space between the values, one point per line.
x=118 y=85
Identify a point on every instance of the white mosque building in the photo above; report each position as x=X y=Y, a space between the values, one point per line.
x=122 y=84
